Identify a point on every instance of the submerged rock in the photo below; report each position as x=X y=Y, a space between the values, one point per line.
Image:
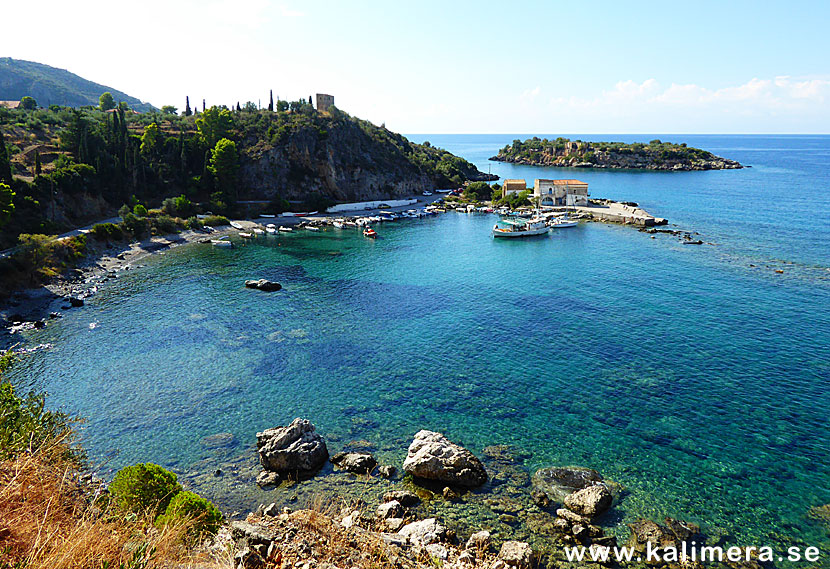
x=295 y=449
x=405 y=497
x=355 y=462
x=434 y=457
x=263 y=284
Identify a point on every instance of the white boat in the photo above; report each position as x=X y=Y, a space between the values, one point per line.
x=221 y=243
x=312 y=228
x=426 y=193
x=267 y=215
x=258 y=231
x=285 y=229
x=338 y=223
x=237 y=225
x=520 y=228
x=562 y=222
x=470 y=208
x=246 y=235
x=270 y=229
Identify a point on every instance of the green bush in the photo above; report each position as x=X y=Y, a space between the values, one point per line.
x=107 y=232
x=206 y=518
x=139 y=210
x=144 y=487
x=138 y=226
x=216 y=220
x=25 y=425
x=194 y=223
x=164 y=224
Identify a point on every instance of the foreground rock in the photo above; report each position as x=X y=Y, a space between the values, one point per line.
x=263 y=284
x=516 y=554
x=423 y=532
x=295 y=450
x=355 y=462
x=647 y=534
x=552 y=485
x=433 y=457
x=591 y=501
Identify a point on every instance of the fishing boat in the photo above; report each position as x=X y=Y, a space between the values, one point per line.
x=285 y=229
x=244 y=235
x=369 y=232
x=520 y=227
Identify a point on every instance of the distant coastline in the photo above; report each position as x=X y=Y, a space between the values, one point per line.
x=656 y=155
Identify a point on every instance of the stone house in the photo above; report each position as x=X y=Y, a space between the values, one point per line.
x=561 y=192
x=513 y=187
x=324 y=102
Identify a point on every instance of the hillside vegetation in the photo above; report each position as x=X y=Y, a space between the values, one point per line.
x=656 y=155
x=51 y=86
x=67 y=167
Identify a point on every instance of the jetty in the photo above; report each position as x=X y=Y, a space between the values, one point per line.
x=626 y=213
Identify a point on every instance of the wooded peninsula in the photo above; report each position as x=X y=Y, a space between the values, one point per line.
x=656 y=155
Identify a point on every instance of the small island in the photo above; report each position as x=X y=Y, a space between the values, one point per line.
x=656 y=155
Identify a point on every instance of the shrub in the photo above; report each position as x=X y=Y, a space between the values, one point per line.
x=107 y=232
x=203 y=516
x=216 y=220
x=194 y=223
x=165 y=224
x=139 y=210
x=144 y=487
x=138 y=226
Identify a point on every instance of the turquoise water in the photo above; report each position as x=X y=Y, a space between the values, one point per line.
x=697 y=381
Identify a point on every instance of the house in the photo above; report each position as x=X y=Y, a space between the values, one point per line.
x=9 y=104
x=513 y=187
x=324 y=102
x=561 y=192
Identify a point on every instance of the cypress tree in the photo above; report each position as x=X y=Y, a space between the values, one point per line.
x=309 y=101
x=5 y=165
x=238 y=108
x=203 y=105
x=37 y=164
x=271 y=102
x=187 y=111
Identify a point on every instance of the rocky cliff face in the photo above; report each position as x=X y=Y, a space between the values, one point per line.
x=343 y=163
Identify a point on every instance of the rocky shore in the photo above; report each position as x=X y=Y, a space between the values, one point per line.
x=447 y=507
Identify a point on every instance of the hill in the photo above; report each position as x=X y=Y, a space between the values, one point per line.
x=51 y=86
x=656 y=155
x=74 y=166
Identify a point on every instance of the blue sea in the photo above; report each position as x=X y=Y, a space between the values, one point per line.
x=697 y=377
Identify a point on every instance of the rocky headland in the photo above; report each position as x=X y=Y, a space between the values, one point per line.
x=656 y=155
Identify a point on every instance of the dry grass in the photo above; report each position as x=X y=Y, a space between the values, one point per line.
x=48 y=521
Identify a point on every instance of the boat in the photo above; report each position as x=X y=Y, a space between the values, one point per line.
x=271 y=230
x=338 y=223
x=246 y=235
x=562 y=222
x=285 y=229
x=426 y=193
x=221 y=243
x=267 y=215
x=369 y=232
x=237 y=225
x=312 y=228
x=258 y=231
x=520 y=227
x=304 y=213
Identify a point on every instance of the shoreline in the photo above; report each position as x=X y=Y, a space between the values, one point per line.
x=31 y=308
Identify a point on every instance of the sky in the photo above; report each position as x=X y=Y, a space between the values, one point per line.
x=457 y=66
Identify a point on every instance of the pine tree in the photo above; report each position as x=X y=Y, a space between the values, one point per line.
x=5 y=165
x=271 y=103
x=187 y=111
x=238 y=108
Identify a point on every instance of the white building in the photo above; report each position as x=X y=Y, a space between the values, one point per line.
x=561 y=192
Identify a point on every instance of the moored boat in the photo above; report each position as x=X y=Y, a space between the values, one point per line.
x=369 y=232
x=520 y=228
x=285 y=229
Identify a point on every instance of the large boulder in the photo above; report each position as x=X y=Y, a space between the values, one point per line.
x=263 y=284
x=590 y=501
x=552 y=485
x=432 y=456
x=516 y=554
x=297 y=448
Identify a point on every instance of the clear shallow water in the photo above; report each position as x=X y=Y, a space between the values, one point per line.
x=696 y=381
